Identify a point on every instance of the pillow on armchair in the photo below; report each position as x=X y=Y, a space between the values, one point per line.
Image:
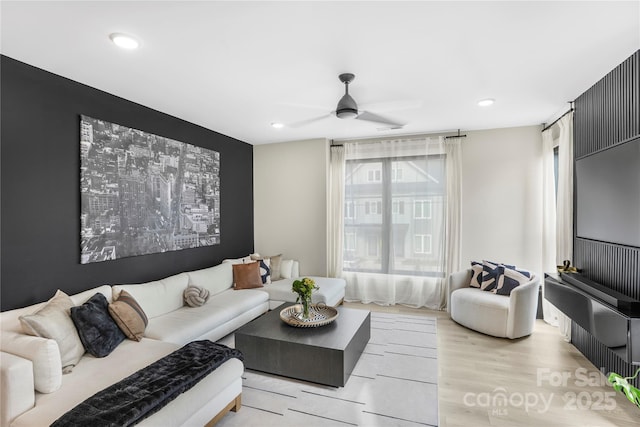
x=476 y=274
x=510 y=278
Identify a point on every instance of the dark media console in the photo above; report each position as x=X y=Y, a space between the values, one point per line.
x=611 y=317
x=620 y=301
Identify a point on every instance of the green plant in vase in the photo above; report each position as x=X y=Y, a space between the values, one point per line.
x=304 y=287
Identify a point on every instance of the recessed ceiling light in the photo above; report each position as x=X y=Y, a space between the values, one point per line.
x=486 y=102
x=277 y=125
x=124 y=41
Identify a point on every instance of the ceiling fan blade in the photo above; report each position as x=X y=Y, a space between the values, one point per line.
x=397 y=105
x=307 y=122
x=370 y=117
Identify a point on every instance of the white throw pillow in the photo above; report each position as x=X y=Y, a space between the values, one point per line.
x=286 y=268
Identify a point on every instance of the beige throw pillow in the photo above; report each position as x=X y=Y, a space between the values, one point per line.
x=53 y=321
x=274 y=265
x=195 y=296
x=247 y=276
x=129 y=316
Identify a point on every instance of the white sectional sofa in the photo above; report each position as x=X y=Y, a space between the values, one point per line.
x=331 y=290
x=34 y=391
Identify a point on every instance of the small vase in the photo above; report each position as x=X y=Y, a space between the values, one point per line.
x=306 y=302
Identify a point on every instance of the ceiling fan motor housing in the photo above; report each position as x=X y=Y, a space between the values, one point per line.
x=347 y=107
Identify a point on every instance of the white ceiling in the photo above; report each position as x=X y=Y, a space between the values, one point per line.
x=236 y=67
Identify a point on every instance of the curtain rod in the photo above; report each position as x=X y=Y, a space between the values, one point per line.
x=556 y=120
x=339 y=142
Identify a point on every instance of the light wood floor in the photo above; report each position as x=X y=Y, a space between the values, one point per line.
x=561 y=386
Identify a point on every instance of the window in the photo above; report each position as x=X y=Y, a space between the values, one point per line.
x=393 y=236
x=373 y=207
x=374 y=175
x=350 y=242
x=422 y=243
x=349 y=210
x=398 y=207
x=422 y=209
x=373 y=245
x=396 y=174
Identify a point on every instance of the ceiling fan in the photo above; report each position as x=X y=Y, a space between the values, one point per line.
x=347 y=108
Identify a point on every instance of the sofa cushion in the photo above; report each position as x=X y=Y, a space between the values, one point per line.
x=247 y=276
x=98 y=332
x=242 y=260
x=286 y=269
x=189 y=323
x=54 y=321
x=331 y=290
x=159 y=297
x=482 y=311
x=129 y=316
x=195 y=296
x=44 y=355
x=82 y=297
x=215 y=279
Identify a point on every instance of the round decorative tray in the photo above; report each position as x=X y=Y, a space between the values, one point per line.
x=319 y=315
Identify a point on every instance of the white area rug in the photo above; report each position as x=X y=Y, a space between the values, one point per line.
x=393 y=384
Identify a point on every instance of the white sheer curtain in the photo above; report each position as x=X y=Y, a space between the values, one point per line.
x=564 y=229
x=400 y=229
x=557 y=244
x=453 y=234
x=336 y=210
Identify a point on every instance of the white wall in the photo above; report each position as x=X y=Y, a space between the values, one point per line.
x=501 y=206
x=502 y=195
x=290 y=202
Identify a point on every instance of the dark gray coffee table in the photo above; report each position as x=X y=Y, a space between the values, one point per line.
x=324 y=355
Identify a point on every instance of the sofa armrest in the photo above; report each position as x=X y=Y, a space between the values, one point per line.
x=458 y=280
x=16 y=387
x=44 y=355
x=523 y=306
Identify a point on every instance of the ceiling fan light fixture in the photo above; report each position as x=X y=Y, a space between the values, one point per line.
x=346 y=113
x=347 y=107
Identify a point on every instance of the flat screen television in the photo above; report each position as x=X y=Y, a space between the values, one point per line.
x=608 y=195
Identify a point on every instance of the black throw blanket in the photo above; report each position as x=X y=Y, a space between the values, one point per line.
x=141 y=394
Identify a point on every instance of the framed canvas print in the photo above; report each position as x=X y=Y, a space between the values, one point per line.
x=142 y=193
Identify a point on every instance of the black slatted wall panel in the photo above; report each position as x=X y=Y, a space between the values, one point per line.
x=615 y=266
x=605 y=115
x=609 y=112
x=600 y=355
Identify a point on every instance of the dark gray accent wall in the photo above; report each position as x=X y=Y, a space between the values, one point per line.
x=40 y=193
x=605 y=115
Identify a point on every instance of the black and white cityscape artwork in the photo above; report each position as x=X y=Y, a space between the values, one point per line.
x=142 y=193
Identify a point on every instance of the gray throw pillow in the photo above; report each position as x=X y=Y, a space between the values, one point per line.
x=98 y=332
